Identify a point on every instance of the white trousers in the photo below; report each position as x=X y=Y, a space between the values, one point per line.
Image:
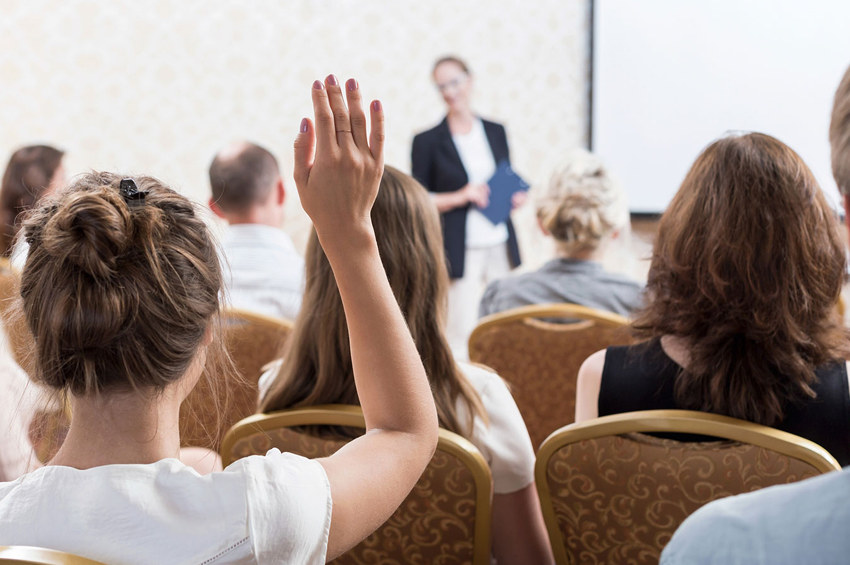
x=482 y=265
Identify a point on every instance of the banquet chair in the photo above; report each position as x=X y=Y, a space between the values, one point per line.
x=252 y=341
x=540 y=357
x=611 y=494
x=445 y=518
x=24 y=555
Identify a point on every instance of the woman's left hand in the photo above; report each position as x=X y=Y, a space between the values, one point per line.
x=518 y=199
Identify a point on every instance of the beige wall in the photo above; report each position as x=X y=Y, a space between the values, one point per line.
x=158 y=86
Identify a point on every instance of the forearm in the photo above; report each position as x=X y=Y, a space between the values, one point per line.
x=391 y=382
x=446 y=201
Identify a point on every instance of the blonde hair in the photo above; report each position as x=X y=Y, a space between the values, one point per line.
x=317 y=367
x=582 y=204
x=839 y=135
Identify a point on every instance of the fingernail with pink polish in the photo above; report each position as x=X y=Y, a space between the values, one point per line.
x=303 y=125
x=351 y=84
x=376 y=105
x=317 y=84
x=332 y=80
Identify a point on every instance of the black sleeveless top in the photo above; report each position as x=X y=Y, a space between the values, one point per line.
x=642 y=377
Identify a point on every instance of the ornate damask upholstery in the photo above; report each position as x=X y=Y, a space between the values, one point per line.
x=20 y=555
x=444 y=520
x=253 y=341
x=540 y=358
x=613 y=495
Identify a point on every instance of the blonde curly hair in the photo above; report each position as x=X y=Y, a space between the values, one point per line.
x=582 y=204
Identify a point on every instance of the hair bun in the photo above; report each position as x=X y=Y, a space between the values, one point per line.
x=90 y=230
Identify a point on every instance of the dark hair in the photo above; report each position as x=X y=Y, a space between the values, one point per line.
x=28 y=174
x=747 y=268
x=117 y=297
x=243 y=177
x=839 y=135
x=451 y=59
x=317 y=367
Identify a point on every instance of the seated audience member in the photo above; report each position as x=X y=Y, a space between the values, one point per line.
x=262 y=270
x=32 y=172
x=471 y=401
x=583 y=208
x=121 y=289
x=805 y=522
x=741 y=316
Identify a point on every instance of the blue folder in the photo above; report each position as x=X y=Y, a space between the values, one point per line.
x=503 y=185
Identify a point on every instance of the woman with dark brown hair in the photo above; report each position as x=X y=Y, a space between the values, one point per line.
x=741 y=316
x=32 y=172
x=471 y=401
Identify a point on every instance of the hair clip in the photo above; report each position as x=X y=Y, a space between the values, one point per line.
x=131 y=193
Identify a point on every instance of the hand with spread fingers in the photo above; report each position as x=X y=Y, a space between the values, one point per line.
x=338 y=167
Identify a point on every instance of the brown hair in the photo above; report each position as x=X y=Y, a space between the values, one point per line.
x=117 y=297
x=451 y=59
x=242 y=178
x=839 y=135
x=747 y=268
x=28 y=174
x=317 y=367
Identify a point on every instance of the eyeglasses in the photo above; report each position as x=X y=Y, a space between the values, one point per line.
x=454 y=83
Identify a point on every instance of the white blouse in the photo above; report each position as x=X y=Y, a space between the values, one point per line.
x=480 y=165
x=272 y=509
x=504 y=441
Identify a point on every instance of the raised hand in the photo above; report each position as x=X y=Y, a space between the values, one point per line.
x=338 y=167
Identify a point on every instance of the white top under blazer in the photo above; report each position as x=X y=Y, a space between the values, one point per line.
x=260 y=510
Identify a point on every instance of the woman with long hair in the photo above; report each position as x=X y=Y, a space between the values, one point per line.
x=121 y=290
x=32 y=172
x=741 y=316
x=471 y=401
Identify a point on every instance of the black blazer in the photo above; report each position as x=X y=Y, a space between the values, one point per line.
x=437 y=165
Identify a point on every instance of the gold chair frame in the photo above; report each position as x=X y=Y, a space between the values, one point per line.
x=668 y=421
x=26 y=555
x=536 y=311
x=255 y=318
x=352 y=416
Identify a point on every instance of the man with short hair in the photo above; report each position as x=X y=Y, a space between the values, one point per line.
x=805 y=522
x=263 y=272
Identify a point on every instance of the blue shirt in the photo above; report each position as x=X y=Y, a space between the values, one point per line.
x=801 y=523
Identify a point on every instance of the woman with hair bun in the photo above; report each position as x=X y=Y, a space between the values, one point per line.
x=741 y=316
x=583 y=208
x=121 y=291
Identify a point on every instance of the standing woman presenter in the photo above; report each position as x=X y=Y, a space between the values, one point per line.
x=454 y=161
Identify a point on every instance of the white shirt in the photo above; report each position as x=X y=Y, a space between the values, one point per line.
x=272 y=509
x=504 y=443
x=19 y=401
x=263 y=272
x=480 y=165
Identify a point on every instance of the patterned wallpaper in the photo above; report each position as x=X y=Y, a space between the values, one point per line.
x=157 y=86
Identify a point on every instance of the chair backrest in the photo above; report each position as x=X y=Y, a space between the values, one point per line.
x=24 y=555
x=253 y=341
x=445 y=518
x=611 y=494
x=20 y=340
x=540 y=358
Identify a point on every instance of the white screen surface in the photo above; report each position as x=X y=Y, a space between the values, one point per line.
x=671 y=76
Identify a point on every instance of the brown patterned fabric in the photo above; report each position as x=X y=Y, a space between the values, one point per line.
x=618 y=499
x=435 y=523
x=252 y=346
x=540 y=360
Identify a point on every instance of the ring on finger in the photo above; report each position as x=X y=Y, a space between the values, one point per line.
x=343 y=131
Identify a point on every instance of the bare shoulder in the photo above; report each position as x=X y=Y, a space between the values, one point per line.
x=587 y=387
